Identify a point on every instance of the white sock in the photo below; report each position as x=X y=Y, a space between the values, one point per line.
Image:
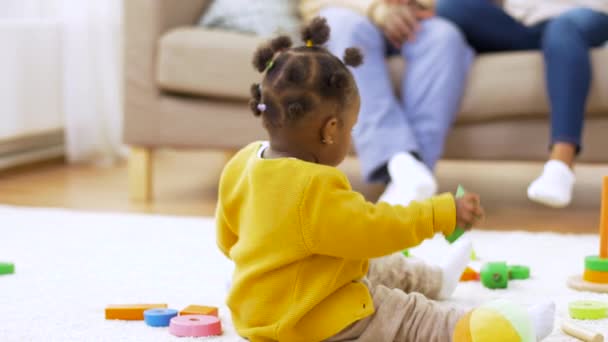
x=410 y=180
x=543 y=316
x=554 y=186
x=454 y=264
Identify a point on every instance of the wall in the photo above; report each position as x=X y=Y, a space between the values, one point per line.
x=30 y=90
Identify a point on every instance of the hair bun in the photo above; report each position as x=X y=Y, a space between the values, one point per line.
x=280 y=43
x=262 y=57
x=316 y=31
x=353 y=57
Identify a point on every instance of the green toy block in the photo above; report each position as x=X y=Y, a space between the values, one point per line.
x=7 y=268
x=457 y=231
x=519 y=272
x=495 y=275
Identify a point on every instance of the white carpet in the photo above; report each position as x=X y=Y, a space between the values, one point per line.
x=70 y=265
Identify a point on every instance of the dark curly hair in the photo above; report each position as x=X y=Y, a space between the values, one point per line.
x=299 y=79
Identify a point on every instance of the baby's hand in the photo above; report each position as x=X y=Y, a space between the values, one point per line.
x=468 y=211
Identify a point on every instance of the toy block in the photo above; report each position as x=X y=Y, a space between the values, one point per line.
x=588 y=309
x=130 y=312
x=199 y=310
x=598 y=277
x=469 y=274
x=7 y=268
x=195 y=326
x=581 y=333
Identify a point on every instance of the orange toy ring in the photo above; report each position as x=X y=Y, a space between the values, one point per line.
x=596 y=277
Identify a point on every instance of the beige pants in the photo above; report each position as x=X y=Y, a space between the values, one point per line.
x=403 y=289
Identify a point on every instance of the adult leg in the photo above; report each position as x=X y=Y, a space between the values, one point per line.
x=566 y=43
x=438 y=63
x=487 y=27
x=383 y=133
x=382 y=130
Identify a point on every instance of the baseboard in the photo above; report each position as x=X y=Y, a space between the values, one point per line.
x=31 y=148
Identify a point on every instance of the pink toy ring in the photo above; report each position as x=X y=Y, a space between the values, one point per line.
x=195 y=326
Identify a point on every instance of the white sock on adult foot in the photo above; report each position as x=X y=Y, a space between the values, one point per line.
x=410 y=180
x=543 y=317
x=454 y=264
x=554 y=186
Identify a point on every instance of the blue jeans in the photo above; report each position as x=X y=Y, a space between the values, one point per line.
x=417 y=120
x=564 y=40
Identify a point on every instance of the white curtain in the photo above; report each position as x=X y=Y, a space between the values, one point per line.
x=90 y=71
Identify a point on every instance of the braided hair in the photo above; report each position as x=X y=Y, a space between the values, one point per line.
x=297 y=80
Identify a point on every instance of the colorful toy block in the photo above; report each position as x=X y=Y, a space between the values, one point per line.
x=469 y=274
x=159 y=317
x=199 y=310
x=495 y=275
x=195 y=326
x=130 y=312
x=588 y=309
x=7 y=268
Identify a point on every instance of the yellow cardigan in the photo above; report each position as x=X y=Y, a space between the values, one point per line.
x=301 y=238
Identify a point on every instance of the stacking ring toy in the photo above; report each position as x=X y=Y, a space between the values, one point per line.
x=588 y=309
x=195 y=326
x=159 y=317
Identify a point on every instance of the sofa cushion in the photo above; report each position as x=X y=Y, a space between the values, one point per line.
x=512 y=84
x=207 y=62
x=501 y=85
x=263 y=18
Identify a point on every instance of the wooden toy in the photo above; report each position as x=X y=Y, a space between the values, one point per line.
x=495 y=275
x=499 y=320
x=130 y=312
x=519 y=272
x=581 y=333
x=469 y=274
x=199 y=310
x=7 y=268
x=588 y=309
x=195 y=326
x=159 y=317
x=595 y=276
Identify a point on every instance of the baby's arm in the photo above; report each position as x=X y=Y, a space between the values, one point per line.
x=338 y=221
x=225 y=237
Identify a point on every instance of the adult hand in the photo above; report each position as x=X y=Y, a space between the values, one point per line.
x=397 y=21
x=468 y=211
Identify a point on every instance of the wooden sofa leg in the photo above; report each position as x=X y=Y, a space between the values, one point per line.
x=140 y=173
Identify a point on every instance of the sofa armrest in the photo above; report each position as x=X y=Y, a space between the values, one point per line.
x=144 y=23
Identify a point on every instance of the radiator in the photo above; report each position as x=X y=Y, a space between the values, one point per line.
x=31 y=148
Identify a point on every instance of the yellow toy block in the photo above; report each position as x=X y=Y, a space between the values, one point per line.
x=199 y=310
x=130 y=312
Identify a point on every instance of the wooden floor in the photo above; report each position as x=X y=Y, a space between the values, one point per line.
x=186 y=184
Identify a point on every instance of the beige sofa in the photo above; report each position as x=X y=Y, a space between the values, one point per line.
x=187 y=87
